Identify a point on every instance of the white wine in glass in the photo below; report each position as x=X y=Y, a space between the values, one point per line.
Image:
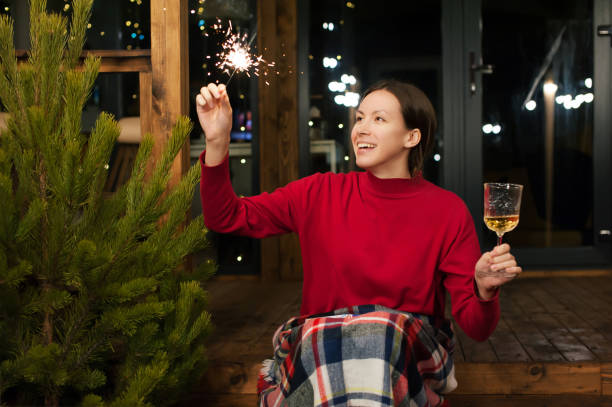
x=502 y=205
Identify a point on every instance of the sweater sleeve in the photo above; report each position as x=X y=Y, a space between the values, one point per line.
x=477 y=317
x=258 y=216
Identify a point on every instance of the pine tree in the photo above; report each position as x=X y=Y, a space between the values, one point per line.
x=92 y=308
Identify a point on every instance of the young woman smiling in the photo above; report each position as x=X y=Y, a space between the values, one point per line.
x=380 y=249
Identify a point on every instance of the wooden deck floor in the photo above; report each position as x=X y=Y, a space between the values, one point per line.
x=553 y=344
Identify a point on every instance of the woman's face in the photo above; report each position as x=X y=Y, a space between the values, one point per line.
x=380 y=138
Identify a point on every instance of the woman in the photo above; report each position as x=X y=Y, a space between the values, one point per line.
x=380 y=249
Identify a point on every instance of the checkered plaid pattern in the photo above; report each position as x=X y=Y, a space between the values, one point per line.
x=363 y=356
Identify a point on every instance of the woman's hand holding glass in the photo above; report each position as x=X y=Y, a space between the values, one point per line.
x=494 y=269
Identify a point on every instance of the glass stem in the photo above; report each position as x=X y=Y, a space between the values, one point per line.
x=499 y=240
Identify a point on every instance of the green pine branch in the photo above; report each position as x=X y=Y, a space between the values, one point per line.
x=95 y=307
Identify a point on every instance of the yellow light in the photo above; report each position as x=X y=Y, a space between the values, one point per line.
x=338 y=57
x=129 y=47
x=6 y=9
x=341 y=22
x=201 y=28
x=88 y=25
x=134 y=96
x=136 y=25
x=102 y=33
x=128 y=23
x=310 y=57
x=66 y=7
x=340 y=125
x=204 y=65
x=200 y=10
x=239 y=258
x=242 y=128
x=350 y=4
x=550 y=88
x=241 y=96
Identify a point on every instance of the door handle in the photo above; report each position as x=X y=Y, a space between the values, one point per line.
x=477 y=67
x=603 y=30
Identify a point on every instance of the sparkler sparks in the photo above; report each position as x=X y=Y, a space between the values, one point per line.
x=236 y=55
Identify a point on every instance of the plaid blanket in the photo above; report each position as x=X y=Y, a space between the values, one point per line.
x=363 y=356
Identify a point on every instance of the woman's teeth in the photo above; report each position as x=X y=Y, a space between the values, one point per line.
x=365 y=145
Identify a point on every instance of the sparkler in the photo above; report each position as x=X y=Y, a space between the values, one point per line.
x=236 y=55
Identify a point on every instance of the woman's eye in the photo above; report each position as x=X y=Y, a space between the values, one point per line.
x=380 y=119
x=358 y=119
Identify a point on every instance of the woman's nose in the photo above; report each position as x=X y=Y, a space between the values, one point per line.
x=362 y=129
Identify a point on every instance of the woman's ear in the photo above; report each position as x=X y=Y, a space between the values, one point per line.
x=413 y=137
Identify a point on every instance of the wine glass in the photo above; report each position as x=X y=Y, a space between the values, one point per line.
x=502 y=204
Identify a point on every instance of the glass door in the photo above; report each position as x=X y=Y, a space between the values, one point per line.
x=536 y=86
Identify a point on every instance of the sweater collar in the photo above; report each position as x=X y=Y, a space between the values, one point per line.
x=393 y=186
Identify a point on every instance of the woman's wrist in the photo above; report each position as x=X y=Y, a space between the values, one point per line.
x=215 y=154
x=485 y=293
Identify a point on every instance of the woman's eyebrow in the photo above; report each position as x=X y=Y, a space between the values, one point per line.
x=374 y=112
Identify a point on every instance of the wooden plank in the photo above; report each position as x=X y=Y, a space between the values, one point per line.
x=137 y=64
x=170 y=76
x=244 y=328
x=534 y=342
x=288 y=119
x=506 y=345
x=589 y=336
x=145 y=84
x=457 y=400
x=564 y=273
x=112 y=60
x=525 y=378
x=268 y=137
x=596 y=315
x=249 y=315
x=566 y=343
x=574 y=320
x=606 y=379
x=458 y=355
x=475 y=351
x=278 y=118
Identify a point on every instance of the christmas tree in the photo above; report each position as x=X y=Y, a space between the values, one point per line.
x=94 y=307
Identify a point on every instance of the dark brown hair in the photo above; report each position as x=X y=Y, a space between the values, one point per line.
x=418 y=113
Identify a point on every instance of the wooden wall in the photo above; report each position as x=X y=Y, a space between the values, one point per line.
x=278 y=131
x=169 y=79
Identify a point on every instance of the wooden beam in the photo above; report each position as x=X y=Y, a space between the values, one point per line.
x=524 y=378
x=278 y=132
x=145 y=81
x=170 y=76
x=112 y=60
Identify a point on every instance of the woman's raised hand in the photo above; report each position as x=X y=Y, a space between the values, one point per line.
x=215 y=115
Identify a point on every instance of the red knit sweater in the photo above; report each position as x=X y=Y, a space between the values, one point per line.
x=400 y=243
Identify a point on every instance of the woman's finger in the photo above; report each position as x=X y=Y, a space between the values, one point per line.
x=208 y=97
x=513 y=272
x=200 y=100
x=502 y=258
x=501 y=249
x=214 y=90
x=503 y=265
